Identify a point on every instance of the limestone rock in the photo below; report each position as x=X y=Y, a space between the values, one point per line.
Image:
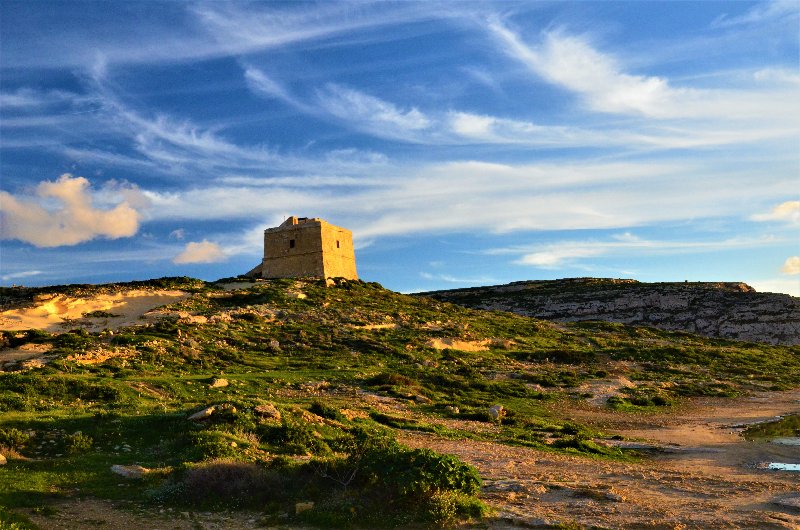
x=3 y=460
x=268 y=411
x=132 y=472
x=203 y=414
x=497 y=412
x=792 y=502
x=726 y=310
x=218 y=382
x=301 y=507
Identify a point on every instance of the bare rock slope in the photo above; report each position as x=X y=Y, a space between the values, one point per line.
x=724 y=310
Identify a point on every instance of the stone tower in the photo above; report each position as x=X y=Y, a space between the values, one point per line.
x=307 y=247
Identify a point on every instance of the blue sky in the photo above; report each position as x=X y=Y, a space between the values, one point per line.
x=464 y=143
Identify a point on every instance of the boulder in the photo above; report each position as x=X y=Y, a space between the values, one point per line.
x=203 y=414
x=132 y=472
x=497 y=412
x=301 y=507
x=218 y=382
x=268 y=411
x=791 y=502
x=3 y=460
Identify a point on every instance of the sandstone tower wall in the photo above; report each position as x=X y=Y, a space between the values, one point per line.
x=303 y=247
x=338 y=254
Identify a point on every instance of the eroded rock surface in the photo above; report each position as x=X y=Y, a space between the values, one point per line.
x=724 y=310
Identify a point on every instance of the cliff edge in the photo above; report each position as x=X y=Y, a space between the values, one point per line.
x=721 y=309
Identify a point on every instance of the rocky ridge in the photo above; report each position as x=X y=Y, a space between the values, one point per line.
x=721 y=310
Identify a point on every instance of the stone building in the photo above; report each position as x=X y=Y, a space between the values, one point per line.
x=305 y=247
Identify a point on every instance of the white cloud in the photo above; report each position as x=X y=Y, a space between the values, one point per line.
x=777 y=76
x=788 y=211
x=791 y=265
x=785 y=286
x=482 y=280
x=19 y=275
x=369 y=112
x=203 y=252
x=493 y=197
x=25 y=98
x=603 y=85
x=178 y=234
x=261 y=83
x=63 y=213
x=572 y=253
x=762 y=12
x=571 y=62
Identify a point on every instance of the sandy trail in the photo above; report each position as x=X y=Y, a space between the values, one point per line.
x=707 y=478
x=62 y=312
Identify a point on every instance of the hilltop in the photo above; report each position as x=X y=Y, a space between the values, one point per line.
x=302 y=402
x=723 y=309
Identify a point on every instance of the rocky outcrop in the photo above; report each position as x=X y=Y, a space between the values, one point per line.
x=724 y=310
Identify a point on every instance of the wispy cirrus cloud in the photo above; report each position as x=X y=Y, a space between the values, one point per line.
x=760 y=13
x=206 y=30
x=19 y=275
x=604 y=85
x=370 y=113
x=573 y=253
x=479 y=280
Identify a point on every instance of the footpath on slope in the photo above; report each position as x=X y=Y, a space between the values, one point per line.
x=706 y=475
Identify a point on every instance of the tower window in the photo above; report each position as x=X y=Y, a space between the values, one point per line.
x=291 y=243
x=337 y=244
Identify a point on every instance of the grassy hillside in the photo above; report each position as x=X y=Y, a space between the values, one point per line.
x=310 y=385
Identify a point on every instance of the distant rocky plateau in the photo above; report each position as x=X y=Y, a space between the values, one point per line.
x=721 y=310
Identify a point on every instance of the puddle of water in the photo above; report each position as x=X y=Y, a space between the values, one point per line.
x=783 y=467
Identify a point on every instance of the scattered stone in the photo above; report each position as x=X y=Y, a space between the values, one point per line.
x=301 y=507
x=3 y=460
x=268 y=410
x=504 y=486
x=203 y=414
x=613 y=495
x=538 y=489
x=274 y=344
x=497 y=412
x=419 y=398
x=218 y=382
x=455 y=411
x=132 y=472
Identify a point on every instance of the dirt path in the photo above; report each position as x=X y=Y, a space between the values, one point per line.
x=708 y=476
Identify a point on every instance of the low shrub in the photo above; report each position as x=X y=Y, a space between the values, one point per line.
x=294 y=437
x=78 y=443
x=14 y=438
x=326 y=411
